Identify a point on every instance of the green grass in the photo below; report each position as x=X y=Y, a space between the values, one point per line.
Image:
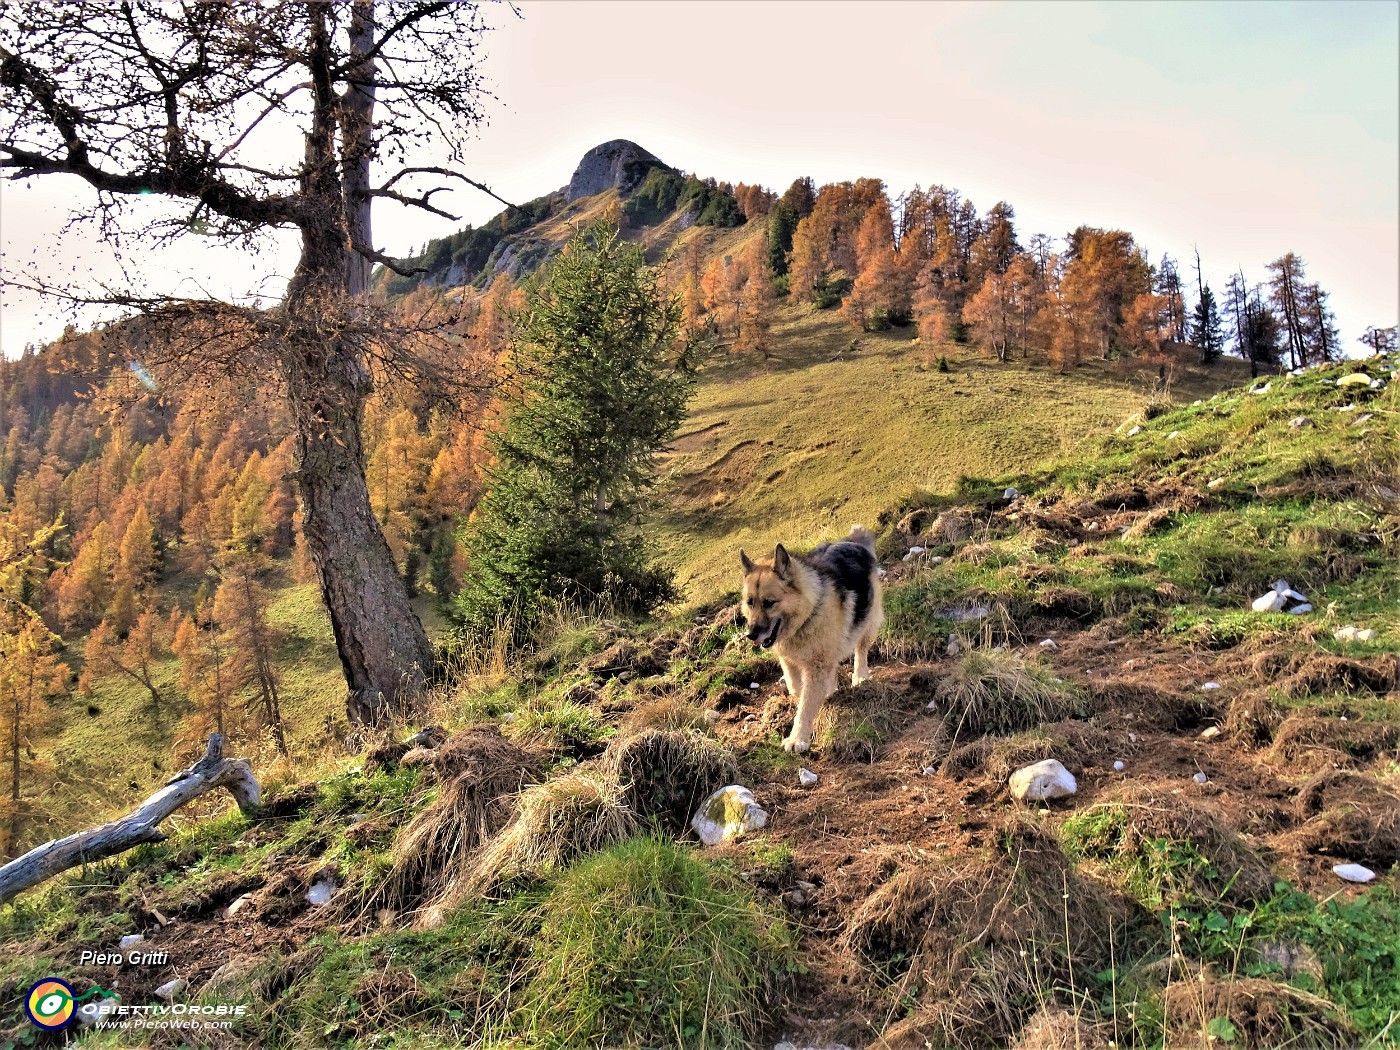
x=798 y=449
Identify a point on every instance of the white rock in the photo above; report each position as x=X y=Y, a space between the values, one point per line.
x=1348 y=408
x=1268 y=602
x=1208 y=734
x=1362 y=419
x=1135 y=432
x=131 y=940
x=1215 y=483
x=509 y=716
x=1304 y=608
x=1368 y=635
x=94 y=1010
x=954 y=647
x=1174 y=434
x=1345 y=634
x=754 y=685
x=170 y=989
x=1376 y=384
x=1132 y=738
x=321 y=892
x=807 y=777
x=728 y=813
x=916 y=549
x=1118 y=766
x=1011 y=493
x=1208 y=686
x=1354 y=872
x=1200 y=778
x=1285 y=588
x=932 y=705
x=1048 y=643
x=238 y=905
x=1355 y=379
x=1262 y=389
x=1298 y=422
x=1198 y=401
x=937 y=559
x=1041 y=781
x=881 y=573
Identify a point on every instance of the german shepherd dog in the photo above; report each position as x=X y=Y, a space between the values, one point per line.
x=814 y=610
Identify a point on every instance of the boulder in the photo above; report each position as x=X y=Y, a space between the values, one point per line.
x=728 y=813
x=617 y=164
x=1042 y=781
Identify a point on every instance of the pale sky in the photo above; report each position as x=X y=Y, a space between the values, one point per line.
x=1244 y=129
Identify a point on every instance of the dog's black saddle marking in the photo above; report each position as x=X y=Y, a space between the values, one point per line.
x=849 y=566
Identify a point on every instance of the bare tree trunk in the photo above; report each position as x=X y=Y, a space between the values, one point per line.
x=210 y=772
x=383 y=649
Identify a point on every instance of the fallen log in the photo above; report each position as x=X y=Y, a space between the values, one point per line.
x=210 y=772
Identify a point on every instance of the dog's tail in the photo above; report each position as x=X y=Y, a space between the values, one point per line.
x=860 y=534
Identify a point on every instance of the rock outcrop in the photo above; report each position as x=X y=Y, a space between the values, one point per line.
x=619 y=163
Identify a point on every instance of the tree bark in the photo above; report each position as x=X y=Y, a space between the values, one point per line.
x=52 y=858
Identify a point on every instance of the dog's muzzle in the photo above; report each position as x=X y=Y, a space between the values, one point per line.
x=764 y=638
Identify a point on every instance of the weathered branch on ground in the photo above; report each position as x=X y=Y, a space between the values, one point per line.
x=210 y=772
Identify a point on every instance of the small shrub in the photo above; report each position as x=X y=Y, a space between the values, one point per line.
x=990 y=691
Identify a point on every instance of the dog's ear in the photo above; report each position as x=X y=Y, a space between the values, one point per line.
x=745 y=561
x=782 y=562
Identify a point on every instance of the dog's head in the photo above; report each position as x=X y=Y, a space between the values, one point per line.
x=774 y=601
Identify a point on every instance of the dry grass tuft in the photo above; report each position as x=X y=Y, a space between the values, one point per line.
x=854 y=723
x=1349 y=816
x=1312 y=675
x=1139 y=825
x=972 y=947
x=555 y=822
x=1264 y=1014
x=478 y=772
x=1299 y=734
x=666 y=713
x=668 y=773
x=1055 y=1027
x=990 y=691
x=1253 y=718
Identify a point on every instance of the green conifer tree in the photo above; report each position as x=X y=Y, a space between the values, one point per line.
x=599 y=384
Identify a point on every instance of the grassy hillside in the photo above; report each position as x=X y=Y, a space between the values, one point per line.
x=528 y=883
x=840 y=425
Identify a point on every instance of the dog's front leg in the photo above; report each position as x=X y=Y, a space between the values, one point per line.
x=792 y=676
x=818 y=683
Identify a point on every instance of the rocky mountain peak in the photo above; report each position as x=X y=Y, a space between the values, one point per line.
x=619 y=163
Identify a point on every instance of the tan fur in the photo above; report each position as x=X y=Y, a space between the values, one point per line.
x=817 y=630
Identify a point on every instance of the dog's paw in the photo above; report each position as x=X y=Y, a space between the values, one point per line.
x=794 y=746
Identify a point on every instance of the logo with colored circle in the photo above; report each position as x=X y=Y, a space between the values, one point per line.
x=50 y=1004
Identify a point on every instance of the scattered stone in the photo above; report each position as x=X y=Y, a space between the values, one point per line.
x=1049 y=643
x=1135 y=431
x=937 y=559
x=954 y=647
x=237 y=906
x=91 y=1012
x=1355 y=379
x=711 y=717
x=1345 y=634
x=1354 y=872
x=1348 y=408
x=795 y=897
x=508 y=716
x=1215 y=483
x=728 y=813
x=1283 y=598
x=131 y=940
x=916 y=549
x=1118 y=766
x=1200 y=778
x=1209 y=734
x=807 y=777
x=1362 y=419
x=1300 y=609
x=1174 y=434
x=1270 y=601
x=1299 y=422
x=321 y=891
x=1376 y=384
x=1132 y=738
x=1262 y=389
x=170 y=989
x=1208 y=686
x=754 y=685
x=1042 y=781
x=1011 y=493
x=1368 y=635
